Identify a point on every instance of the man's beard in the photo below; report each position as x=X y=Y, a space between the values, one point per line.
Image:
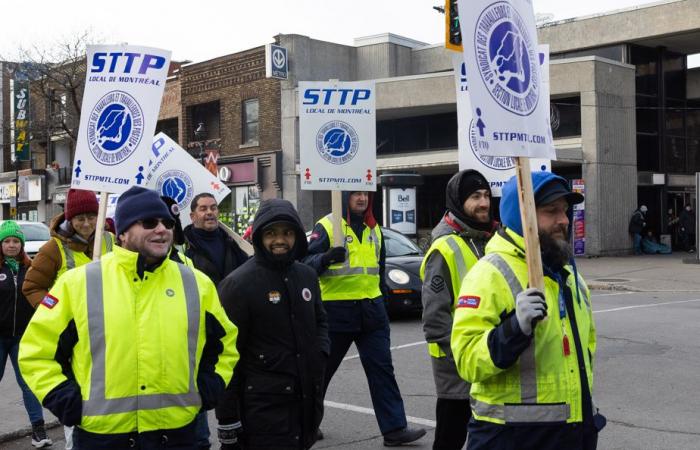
x=556 y=253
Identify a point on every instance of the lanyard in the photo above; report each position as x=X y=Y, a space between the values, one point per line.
x=562 y=315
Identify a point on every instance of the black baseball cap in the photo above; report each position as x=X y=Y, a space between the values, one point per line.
x=555 y=190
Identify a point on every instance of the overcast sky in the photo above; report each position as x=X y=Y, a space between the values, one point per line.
x=204 y=29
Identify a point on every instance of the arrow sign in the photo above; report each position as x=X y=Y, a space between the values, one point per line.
x=276 y=62
x=278 y=58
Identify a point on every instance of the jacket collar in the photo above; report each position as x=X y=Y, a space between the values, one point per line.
x=130 y=260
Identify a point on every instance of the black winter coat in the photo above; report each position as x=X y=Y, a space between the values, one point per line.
x=15 y=310
x=277 y=388
x=234 y=257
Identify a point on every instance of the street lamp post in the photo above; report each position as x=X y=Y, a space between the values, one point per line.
x=16 y=163
x=201 y=134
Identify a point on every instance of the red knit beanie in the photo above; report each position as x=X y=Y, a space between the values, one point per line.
x=80 y=202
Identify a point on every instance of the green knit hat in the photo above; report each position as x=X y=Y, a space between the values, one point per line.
x=9 y=228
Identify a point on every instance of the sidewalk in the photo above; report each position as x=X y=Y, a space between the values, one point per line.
x=658 y=273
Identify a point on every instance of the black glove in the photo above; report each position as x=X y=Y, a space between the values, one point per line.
x=228 y=435
x=333 y=255
x=211 y=387
x=66 y=403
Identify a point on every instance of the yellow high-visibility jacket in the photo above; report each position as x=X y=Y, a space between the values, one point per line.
x=543 y=384
x=139 y=343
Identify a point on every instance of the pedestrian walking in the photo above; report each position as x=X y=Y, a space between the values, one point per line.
x=15 y=313
x=352 y=288
x=215 y=253
x=71 y=245
x=129 y=348
x=686 y=224
x=458 y=242
x=275 y=400
x=532 y=379
x=636 y=226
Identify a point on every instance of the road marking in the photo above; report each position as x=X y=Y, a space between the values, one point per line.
x=412 y=344
x=650 y=305
x=370 y=411
x=614 y=293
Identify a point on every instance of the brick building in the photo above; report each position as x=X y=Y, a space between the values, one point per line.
x=239 y=112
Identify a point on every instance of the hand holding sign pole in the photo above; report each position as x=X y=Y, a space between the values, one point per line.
x=508 y=97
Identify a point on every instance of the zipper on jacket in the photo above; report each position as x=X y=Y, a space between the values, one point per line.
x=474 y=247
x=14 y=313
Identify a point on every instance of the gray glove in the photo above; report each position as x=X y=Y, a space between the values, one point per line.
x=530 y=308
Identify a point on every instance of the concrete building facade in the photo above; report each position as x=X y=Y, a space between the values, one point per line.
x=598 y=73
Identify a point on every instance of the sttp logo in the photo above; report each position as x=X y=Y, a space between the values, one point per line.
x=337 y=142
x=125 y=62
x=507 y=59
x=344 y=97
x=115 y=128
x=177 y=185
x=479 y=145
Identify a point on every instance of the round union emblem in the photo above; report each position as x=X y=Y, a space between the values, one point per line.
x=177 y=185
x=493 y=162
x=507 y=58
x=306 y=294
x=115 y=128
x=337 y=142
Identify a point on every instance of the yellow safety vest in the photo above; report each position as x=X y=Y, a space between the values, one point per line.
x=358 y=277
x=544 y=385
x=459 y=258
x=140 y=341
x=71 y=259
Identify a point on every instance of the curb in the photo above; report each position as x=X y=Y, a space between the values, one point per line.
x=26 y=431
x=612 y=287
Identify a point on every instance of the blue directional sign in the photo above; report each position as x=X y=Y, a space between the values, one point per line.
x=276 y=62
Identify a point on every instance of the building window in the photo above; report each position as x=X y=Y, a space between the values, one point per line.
x=208 y=114
x=169 y=127
x=565 y=116
x=250 y=122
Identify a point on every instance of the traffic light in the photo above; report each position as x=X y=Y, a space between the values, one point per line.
x=453 y=34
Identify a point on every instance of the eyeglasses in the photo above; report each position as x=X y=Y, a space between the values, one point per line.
x=149 y=224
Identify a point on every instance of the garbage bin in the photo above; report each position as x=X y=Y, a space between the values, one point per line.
x=665 y=239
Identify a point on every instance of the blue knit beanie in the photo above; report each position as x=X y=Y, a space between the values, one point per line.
x=137 y=204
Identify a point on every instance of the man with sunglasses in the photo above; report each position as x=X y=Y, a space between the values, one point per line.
x=130 y=348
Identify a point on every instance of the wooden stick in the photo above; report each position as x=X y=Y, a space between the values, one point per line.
x=337 y=208
x=100 y=226
x=528 y=218
x=242 y=243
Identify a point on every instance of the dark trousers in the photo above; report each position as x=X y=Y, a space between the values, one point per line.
x=452 y=417
x=177 y=439
x=490 y=436
x=375 y=356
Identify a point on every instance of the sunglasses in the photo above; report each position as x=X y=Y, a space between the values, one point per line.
x=149 y=224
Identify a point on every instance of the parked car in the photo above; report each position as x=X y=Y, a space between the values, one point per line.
x=402 y=273
x=403 y=260
x=35 y=235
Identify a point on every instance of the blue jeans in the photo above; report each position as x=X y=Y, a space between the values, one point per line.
x=10 y=347
x=201 y=430
x=637 y=243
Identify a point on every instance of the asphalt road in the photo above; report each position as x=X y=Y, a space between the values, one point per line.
x=647 y=372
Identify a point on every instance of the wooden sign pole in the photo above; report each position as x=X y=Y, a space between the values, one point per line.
x=337 y=208
x=100 y=226
x=528 y=218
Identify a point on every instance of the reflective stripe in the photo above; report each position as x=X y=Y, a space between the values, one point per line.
x=375 y=242
x=98 y=404
x=70 y=260
x=558 y=412
x=108 y=242
x=459 y=257
x=344 y=271
x=528 y=365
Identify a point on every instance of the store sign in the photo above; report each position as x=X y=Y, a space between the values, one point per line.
x=337 y=136
x=21 y=120
x=579 y=223
x=7 y=192
x=30 y=188
x=510 y=107
x=473 y=149
x=402 y=202
x=276 y=62
x=123 y=91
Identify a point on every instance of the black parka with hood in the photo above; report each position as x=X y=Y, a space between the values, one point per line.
x=277 y=388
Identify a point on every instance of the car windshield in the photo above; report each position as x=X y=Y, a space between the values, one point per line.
x=36 y=232
x=399 y=245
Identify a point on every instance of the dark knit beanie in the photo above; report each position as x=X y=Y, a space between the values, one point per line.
x=137 y=204
x=79 y=201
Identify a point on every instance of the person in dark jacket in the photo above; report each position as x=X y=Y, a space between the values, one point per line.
x=15 y=314
x=686 y=227
x=275 y=400
x=458 y=242
x=211 y=249
x=351 y=275
x=213 y=252
x=637 y=223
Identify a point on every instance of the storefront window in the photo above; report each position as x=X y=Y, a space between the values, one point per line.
x=238 y=209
